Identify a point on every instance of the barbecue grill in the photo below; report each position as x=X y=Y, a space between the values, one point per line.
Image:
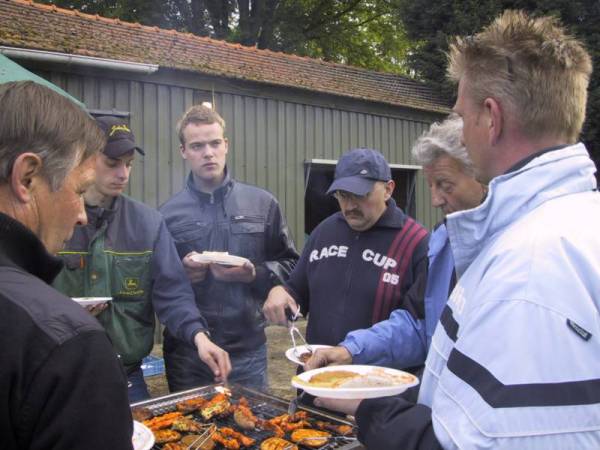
x=263 y=405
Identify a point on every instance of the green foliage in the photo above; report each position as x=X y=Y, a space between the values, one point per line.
x=364 y=33
x=431 y=24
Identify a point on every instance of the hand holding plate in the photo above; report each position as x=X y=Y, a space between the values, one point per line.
x=326 y=356
x=96 y=309
x=245 y=273
x=196 y=270
x=345 y=406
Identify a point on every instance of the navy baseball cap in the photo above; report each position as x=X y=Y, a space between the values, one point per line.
x=358 y=170
x=120 y=139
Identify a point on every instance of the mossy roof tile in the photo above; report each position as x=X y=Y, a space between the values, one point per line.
x=47 y=27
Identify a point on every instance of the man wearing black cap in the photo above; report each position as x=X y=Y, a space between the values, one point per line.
x=359 y=264
x=126 y=252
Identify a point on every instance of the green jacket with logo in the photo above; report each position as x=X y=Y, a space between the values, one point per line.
x=127 y=253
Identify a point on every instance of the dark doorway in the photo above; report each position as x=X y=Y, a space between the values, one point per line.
x=318 y=176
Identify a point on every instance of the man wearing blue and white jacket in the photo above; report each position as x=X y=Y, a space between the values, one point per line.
x=402 y=341
x=514 y=363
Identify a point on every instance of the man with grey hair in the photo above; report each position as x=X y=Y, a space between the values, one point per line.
x=514 y=361
x=61 y=384
x=402 y=340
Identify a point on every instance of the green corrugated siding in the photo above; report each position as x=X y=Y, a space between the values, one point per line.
x=269 y=138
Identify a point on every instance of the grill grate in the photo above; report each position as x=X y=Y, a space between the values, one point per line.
x=263 y=406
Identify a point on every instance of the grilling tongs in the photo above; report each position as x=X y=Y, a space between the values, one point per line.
x=292 y=318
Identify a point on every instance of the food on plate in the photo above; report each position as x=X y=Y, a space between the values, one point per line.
x=244 y=440
x=304 y=356
x=332 y=378
x=164 y=436
x=197 y=442
x=243 y=415
x=214 y=254
x=140 y=414
x=187 y=425
x=343 y=430
x=163 y=421
x=376 y=377
x=275 y=443
x=218 y=406
x=191 y=405
x=310 y=437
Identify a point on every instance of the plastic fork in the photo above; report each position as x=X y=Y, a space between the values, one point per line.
x=293 y=331
x=292 y=317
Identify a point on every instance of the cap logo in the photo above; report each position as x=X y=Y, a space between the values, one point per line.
x=364 y=172
x=116 y=128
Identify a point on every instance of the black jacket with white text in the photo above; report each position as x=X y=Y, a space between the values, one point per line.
x=348 y=280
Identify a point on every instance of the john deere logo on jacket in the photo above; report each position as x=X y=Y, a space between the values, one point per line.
x=131 y=287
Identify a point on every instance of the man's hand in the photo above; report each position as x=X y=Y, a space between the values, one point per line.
x=213 y=356
x=196 y=271
x=241 y=274
x=275 y=305
x=326 y=356
x=346 y=406
x=96 y=309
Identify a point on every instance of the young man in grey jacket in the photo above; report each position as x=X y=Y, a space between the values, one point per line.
x=214 y=212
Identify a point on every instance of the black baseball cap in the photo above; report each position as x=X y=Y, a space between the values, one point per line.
x=120 y=139
x=358 y=170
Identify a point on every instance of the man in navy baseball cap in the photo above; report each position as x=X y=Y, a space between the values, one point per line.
x=362 y=185
x=358 y=170
x=120 y=139
x=358 y=265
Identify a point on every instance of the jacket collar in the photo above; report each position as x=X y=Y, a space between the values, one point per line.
x=530 y=158
x=218 y=195
x=19 y=247
x=512 y=195
x=97 y=215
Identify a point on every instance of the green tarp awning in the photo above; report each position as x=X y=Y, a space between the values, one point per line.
x=11 y=71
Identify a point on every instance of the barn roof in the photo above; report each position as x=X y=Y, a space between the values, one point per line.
x=31 y=25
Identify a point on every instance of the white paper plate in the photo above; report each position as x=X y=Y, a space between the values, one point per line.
x=142 y=438
x=289 y=353
x=301 y=381
x=224 y=259
x=91 y=301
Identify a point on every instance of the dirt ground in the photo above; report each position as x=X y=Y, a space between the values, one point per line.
x=280 y=369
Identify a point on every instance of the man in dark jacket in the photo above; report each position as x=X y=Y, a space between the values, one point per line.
x=359 y=264
x=216 y=213
x=127 y=253
x=61 y=384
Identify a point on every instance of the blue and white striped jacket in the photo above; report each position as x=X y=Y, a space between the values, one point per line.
x=515 y=362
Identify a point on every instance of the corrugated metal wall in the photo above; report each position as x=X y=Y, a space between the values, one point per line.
x=269 y=138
